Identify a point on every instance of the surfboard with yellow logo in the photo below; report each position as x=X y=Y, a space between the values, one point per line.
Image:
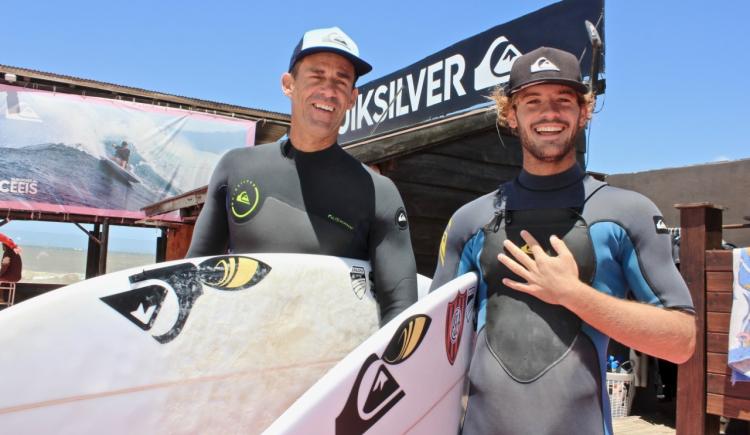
x=408 y=378
x=211 y=345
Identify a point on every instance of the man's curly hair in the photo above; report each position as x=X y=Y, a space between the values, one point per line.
x=504 y=103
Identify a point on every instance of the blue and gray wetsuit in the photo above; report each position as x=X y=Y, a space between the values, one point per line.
x=275 y=198
x=537 y=368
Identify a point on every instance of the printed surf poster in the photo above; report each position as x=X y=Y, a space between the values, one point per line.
x=739 y=324
x=87 y=155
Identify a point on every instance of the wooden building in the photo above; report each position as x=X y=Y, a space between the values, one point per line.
x=725 y=184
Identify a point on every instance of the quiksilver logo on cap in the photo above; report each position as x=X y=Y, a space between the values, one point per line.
x=338 y=39
x=543 y=64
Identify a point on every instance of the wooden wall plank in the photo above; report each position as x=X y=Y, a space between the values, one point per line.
x=719 y=281
x=484 y=147
x=717 y=363
x=717 y=322
x=728 y=406
x=452 y=172
x=431 y=201
x=178 y=242
x=717 y=342
x=719 y=302
x=722 y=384
x=718 y=260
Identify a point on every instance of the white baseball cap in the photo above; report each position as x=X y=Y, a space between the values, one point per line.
x=333 y=40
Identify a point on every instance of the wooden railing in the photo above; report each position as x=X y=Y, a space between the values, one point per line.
x=704 y=389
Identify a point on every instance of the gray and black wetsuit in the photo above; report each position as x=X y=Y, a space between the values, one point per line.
x=275 y=198
x=537 y=368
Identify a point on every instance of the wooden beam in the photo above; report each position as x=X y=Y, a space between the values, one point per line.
x=104 y=248
x=722 y=384
x=415 y=138
x=700 y=230
x=127 y=92
x=727 y=406
x=187 y=199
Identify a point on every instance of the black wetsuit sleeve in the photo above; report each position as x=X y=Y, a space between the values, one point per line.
x=391 y=254
x=463 y=226
x=449 y=255
x=211 y=232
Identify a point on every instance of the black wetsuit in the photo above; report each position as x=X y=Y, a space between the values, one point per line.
x=275 y=198
x=537 y=367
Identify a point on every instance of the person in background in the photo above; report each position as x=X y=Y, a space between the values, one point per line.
x=11 y=265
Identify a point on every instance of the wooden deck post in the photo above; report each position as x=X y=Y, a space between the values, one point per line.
x=700 y=229
x=178 y=242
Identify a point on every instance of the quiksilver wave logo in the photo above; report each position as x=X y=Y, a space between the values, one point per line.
x=401 y=221
x=495 y=66
x=376 y=390
x=661 y=227
x=244 y=201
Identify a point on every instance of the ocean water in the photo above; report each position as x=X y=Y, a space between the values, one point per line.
x=45 y=265
x=70 y=175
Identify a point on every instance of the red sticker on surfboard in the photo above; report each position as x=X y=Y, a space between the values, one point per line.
x=454 y=325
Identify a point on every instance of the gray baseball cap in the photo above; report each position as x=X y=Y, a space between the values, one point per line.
x=546 y=65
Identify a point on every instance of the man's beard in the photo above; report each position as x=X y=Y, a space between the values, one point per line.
x=549 y=152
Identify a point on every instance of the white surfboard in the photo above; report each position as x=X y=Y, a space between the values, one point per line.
x=118 y=170
x=408 y=378
x=216 y=345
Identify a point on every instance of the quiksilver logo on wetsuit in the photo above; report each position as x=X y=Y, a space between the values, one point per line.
x=401 y=220
x=661 y=227
x=245 y=198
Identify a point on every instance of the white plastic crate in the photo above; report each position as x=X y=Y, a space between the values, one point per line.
x=621 y=390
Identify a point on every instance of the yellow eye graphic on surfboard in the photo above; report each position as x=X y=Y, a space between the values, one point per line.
x=232 y=272
x=407 y=339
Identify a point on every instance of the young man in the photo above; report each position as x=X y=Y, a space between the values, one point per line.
x=558 y=252
x=305 y=194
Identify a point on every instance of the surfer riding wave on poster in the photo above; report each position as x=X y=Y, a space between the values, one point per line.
x=122 y=155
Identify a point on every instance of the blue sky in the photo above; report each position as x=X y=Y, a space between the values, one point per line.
x=676 y=88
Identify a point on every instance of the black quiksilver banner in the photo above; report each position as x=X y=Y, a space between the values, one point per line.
x=462 y=75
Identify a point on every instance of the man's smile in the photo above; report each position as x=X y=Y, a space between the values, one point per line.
x=325 y=107
x=549 y=129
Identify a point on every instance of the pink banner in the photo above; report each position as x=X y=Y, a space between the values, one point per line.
x=71 y=154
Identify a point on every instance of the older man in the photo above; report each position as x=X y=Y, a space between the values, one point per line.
x=305 y=194
x=558 y=253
